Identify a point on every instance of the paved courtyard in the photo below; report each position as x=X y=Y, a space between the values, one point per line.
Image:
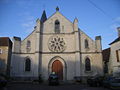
x=25 y=86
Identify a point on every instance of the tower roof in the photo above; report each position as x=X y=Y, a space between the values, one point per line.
x=43 y=17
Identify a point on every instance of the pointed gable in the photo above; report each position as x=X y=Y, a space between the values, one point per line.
x=66 y=26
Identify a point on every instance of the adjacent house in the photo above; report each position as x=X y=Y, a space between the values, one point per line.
x=5 y=55
x=114 y=61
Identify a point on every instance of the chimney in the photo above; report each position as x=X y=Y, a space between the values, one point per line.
x=16 y=44
x=118 y=28
x=98 y=43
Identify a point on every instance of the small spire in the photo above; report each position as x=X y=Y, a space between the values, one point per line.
x=118 y=28
x=43 y=17
x=57 y=8
x=75 y=20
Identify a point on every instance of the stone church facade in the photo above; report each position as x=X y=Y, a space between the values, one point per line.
x=56 y=45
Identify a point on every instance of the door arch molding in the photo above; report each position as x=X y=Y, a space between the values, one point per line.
x=63 y=63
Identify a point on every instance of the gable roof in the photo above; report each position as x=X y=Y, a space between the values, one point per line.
x=60 y=14
x=116 y=40
x=44 y=19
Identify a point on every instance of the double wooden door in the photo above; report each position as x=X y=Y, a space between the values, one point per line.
x=57 y=67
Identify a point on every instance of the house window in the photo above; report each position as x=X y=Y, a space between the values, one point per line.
x=117 y=55
x=0 y=51
x=87 y=65
x=86 y=43
x=27 y=64
x=28 y=47
x=57 y=26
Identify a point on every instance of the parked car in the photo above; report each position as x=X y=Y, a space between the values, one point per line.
x=107 y=81
x=95 y=81
x=115 y=84
x=112 y=83
x=53 y=79
x=3 y=81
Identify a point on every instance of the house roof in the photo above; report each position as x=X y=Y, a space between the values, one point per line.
x=5 y=41
x=116 y=40
x=106 y=54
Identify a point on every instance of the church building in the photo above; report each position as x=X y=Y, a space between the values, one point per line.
x=56 y=45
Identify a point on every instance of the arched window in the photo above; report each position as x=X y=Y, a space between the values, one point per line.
x=27 y=64
x=28 y=43
x=28 y=47
x=86 y=43
x=87 y=65
x=57 y=26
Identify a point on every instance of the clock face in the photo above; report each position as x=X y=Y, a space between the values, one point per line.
x=56 y=44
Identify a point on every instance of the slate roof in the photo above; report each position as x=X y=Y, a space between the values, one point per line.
x=116 y=40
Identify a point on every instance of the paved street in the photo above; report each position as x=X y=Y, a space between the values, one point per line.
x=46 y=87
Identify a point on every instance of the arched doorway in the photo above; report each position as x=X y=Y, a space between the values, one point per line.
x=57 y=67
x=61 y=62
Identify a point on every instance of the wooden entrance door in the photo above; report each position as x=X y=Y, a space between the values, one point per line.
x=57 y=67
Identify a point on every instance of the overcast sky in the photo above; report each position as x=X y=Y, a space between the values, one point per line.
x=96 y=17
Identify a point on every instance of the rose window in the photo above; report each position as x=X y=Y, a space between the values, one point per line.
x=56 y=44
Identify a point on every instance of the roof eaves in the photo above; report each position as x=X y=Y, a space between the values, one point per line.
x=116 y=40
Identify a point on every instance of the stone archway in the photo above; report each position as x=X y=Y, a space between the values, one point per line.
x=61 y=69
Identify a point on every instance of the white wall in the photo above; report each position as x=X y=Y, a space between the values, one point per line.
x=18 y=65
x=65 y=25
x=69 y=60
x=114 y=66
